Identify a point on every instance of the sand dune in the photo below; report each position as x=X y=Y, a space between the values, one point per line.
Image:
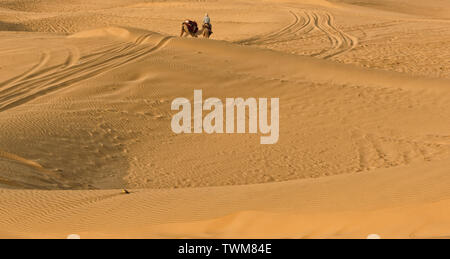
x=411 y=202
x=435 y=8
x=85 y=96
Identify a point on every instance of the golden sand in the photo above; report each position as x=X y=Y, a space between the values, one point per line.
x=85 y=111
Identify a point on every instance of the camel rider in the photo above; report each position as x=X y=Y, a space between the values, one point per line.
x=207 y=22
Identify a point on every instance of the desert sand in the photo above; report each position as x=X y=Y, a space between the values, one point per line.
x=85 y=111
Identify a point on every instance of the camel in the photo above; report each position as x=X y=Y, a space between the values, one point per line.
x=186 y=30
x=207 y=31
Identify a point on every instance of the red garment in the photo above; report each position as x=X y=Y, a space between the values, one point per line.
x=192 y=26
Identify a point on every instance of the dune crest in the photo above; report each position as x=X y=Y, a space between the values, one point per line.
x=133 y=35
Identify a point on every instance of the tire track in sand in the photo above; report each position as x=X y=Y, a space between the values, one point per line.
x=299 y=23
x=45 y=57
x=304 y=23
x=346 y=42
x=18 y=91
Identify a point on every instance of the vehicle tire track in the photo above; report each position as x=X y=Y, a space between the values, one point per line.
x=348 y=42
x=272 y=35
x=38 y=71
x=73 y=57
x=335 y=42
x=294 y=33
x=42 y=82
x=304 y=23
x=45 y=57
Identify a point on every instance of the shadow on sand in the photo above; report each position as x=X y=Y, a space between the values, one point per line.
x=6 y=26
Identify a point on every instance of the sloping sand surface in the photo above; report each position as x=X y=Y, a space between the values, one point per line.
x=85 y=96
x=411 y=202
